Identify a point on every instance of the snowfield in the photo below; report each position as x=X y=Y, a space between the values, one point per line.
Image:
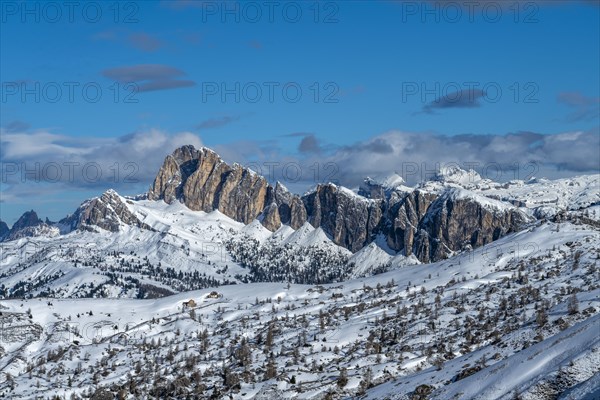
x=94 y=342
x=99 y=314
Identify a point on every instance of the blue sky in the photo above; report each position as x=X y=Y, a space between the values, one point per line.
x=520 y=81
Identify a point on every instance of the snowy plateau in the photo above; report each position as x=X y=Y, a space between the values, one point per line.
x=221 y=286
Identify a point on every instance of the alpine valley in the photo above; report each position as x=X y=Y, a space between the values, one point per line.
x=455 y=288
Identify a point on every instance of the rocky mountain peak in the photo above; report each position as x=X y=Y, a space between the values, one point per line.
x=108 y=212
x=204 y=182
x=28 y=219
x=427 y=223
x=431 y=221
x=28 y=225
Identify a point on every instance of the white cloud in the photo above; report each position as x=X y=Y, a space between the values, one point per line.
x=139 y=156
x=42 y=156
x=416 y=156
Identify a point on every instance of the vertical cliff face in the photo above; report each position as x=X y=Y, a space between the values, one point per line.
x=456 y=220
x=427 y=224
x=204 y=182
x=289 y=206
x=351 y=220
x=175 y=170
x=404 y=214
x=201 y=180
x=271 y=218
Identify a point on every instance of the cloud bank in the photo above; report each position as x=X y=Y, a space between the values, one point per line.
x=498 y=157
x=129 y=163
x=125 y=163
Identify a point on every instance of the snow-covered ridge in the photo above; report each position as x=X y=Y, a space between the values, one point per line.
x=459 y=193
x=352 y=220
x=560 y=194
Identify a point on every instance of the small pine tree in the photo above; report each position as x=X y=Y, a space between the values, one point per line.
x=270 y=369
x=541 y=317
x=342 y=380
x=270 y=335
x=573 y=304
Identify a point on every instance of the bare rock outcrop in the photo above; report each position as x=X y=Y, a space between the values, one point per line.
x=455 y=221
x=29 y=225
x=428 y=224
x=290 y=206
x=201 y=180
x=4 y=229
x=350 y=219
x=270 y=217
x=405 y=212
x=108 y=212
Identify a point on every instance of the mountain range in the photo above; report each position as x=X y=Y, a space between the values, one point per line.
x=457 y=287
x=457 y=210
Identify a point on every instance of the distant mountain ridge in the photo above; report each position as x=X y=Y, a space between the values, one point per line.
x=29 y=224
x=456 y=210
x=428 y=225
x=106 y=212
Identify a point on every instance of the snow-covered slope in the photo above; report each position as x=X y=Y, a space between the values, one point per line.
x=467 y=327
x=565 y=364
x=179 y=250
x=550 y=196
